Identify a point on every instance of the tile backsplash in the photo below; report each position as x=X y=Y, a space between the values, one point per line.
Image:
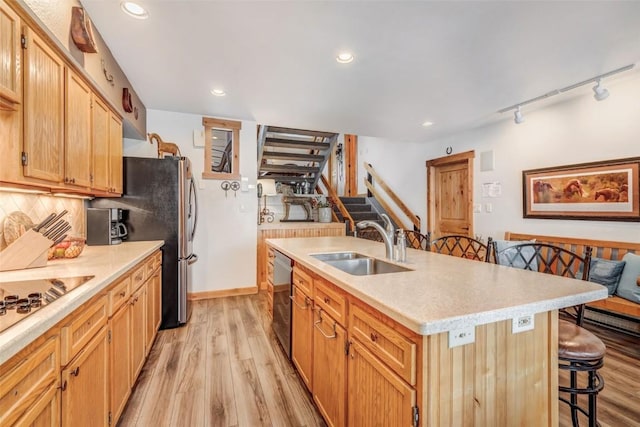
x=38 y=206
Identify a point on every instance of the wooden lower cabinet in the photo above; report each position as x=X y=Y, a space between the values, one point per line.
x=377 y=396
x=330 y=369
x=138 y=308
x=85 y=385
x=302 y=335
x=153 y=286
x=120 y=360
x=45 y=412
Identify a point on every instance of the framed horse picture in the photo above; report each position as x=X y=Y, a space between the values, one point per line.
x=606 y=190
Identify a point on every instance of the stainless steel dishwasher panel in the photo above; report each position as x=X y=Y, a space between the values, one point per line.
x=282 y=279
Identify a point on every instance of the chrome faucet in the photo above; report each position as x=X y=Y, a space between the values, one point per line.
x=387 y=233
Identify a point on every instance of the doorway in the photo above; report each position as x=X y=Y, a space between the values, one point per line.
x=450 y=195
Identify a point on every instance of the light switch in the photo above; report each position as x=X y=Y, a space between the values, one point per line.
x=477 y=207
x=244 y=184
x=488 y=207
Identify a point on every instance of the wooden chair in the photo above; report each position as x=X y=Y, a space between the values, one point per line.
x=417 y=240
x=579 y=351
x=369 y=233
x=461 y=246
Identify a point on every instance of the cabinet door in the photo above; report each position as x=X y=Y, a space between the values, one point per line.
x=329 y=369
x=43 y=111
x=85 y=383
x=45 y=411
x=138 y=308
x=152 y=289
x=302 y=335
x=120 y=360
x=10 y=79
x=100 y=144
x=377 y=396
x=157 y=299
x=77 y=131
x=115 y=154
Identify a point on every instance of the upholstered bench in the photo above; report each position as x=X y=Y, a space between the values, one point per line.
x=624 y=303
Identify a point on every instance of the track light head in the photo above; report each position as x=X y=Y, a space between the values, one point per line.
x=517 y=116
x=600 y=93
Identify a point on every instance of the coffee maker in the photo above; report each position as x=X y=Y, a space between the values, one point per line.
x=105 y=226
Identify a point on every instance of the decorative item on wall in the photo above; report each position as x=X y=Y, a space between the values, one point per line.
x=233 y=185
x=82 y=31
x=164 y=147
x=606 y=190
x=108 y=77
x=265 y=187
x=127 y=104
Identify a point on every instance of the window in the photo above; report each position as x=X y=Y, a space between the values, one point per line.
x=222 y=141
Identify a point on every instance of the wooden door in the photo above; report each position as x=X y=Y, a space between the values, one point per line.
x=10 y=78
x=450 y=195
x=120 y=360
x=377 y=396
x=100 y=145
x=85 y=383
x=43 y=111
x=302 y=335
x=138 y=309
x=115 y=154
x=330 y=369
x=78 y=131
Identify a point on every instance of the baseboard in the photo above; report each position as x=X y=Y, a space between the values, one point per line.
x=195 y=296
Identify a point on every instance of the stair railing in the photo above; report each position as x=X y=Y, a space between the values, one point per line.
x=372 y=176
x=335 y=199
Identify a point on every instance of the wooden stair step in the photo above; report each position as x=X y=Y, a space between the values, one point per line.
x=292 y=143
x=292 y=156
x=290 y=169
x=289 y=131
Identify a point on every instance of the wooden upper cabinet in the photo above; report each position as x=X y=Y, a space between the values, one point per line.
x=115 y=154
x=100 y=144
x=78 y=131
x=43 y=155
x=10 y=78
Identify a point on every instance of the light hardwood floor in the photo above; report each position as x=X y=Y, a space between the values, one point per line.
x=225 y=369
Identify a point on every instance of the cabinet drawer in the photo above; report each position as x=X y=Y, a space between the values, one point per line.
x=138 y=276
x=302 y=280
x=270 y=297
x=152 y=263
x=270 y=271
x=119 y=294
x=22 y=386
x=394 y=349
x=76 y=334
x=329 y=299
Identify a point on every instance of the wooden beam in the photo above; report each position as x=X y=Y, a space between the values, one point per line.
x=351 y=165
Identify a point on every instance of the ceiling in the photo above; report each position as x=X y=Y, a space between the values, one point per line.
x=455 y=63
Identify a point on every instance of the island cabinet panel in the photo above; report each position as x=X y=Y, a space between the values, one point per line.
x=120 y=360
x=45 y=411
x=138 y=331
x=331 y=300
x=302 y=335
x=85 y=385
x=395 y=350
x=43 y=111
x=330 y=369
x=377 y=396
x=500 y=379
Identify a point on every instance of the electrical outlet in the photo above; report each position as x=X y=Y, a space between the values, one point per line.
x=522 y=323
x=477 y=207
x=462 y=336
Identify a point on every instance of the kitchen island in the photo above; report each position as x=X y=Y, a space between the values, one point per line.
x=405 y=336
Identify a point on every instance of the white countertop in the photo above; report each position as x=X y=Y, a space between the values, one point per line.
x=106 y=263
x=443 y=293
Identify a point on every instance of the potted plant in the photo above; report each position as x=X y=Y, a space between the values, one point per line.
x=324 y=206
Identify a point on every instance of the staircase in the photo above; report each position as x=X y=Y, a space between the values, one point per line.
x=293 y=156
x=361 y=209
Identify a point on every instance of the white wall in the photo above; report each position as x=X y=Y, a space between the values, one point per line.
x=225 y=239
x=576 y=130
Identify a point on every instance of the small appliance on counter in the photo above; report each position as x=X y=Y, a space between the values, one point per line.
x=105 y=226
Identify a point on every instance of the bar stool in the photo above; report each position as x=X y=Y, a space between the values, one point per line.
x=580 y=351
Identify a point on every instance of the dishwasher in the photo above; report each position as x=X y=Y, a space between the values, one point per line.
x=282 y=279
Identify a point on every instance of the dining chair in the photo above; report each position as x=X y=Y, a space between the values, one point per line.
x=579 y=350
x=461 y=246
x=417 y=240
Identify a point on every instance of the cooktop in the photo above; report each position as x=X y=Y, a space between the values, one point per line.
x=22 y=298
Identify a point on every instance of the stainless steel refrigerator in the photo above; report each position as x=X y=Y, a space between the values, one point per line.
x=160 y=199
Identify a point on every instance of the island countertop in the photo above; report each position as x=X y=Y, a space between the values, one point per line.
x=442 y=293
x=106 y=263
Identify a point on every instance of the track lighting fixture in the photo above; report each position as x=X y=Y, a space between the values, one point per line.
x=599 y=92
x=517 y=116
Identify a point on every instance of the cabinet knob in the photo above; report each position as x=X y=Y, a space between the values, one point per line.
x=374 y=337
x=63 y=386
x=122 y=294
x=76 y=371
x=326 y=300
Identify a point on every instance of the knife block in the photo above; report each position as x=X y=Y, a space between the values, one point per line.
x=28 y=251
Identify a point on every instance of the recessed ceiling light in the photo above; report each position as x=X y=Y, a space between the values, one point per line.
x=344 y=58
x=218 y=92
x=427 y=124
x=134 y=9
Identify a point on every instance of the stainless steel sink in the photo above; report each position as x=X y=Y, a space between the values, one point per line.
x=366 y=266
x=338 y=256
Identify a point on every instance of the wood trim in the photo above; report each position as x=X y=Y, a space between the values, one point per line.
x=385 y=205
x=454 y=158
x=392 y=195
x=351 y=165
x=209 y=124
x=336 y=199
x=221 y=123
x=197 y=296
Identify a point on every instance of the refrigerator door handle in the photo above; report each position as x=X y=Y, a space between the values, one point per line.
x=195 y=206
x=192 y=259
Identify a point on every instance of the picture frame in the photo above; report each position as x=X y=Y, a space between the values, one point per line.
x=604 y=191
